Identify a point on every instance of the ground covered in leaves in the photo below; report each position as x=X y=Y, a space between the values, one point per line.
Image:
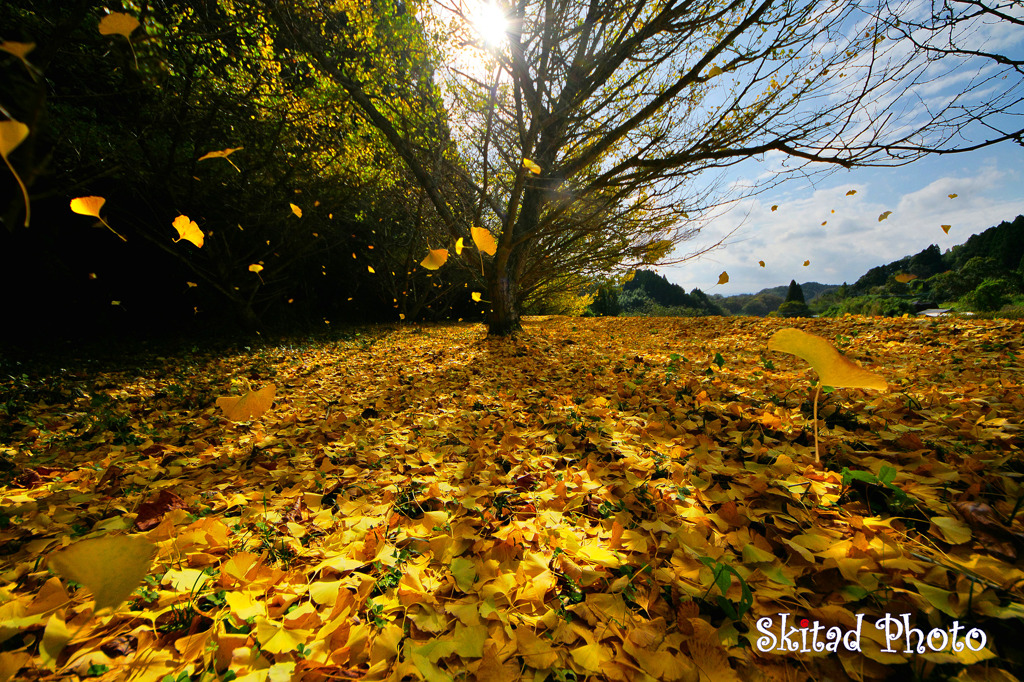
x=621 y=499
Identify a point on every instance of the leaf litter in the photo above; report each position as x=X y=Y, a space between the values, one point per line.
x=616 y=499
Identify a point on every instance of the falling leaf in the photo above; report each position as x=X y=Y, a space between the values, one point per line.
x=531 y=166
x=91 y=206
x=775 y=207
x=13 y=133
x=401 y=316
x=806 y=263
x=884 y=216
x=89 y=562
x=476 y=296
x=953 y=196
x=435 y=259
x=188 y=230
x=118 y=23
x=723 y=278
x=256 y=267
x=761 y=263
x=824 y=222
x=945 y=228
x=851 y=192
x=20 y=50
x=905 y=277
x=458 y=246
x=223 y=154
x=715 y=71
x=191 y=284
x=371 y=270
x=833 y=368
x=483 y=240
x=296 y=210
x=249 y=406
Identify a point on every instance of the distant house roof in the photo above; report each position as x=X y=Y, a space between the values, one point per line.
x=934 y=312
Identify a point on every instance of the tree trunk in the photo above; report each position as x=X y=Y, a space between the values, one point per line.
x=503 y=318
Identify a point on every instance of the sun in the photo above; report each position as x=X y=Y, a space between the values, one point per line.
x=490 y=24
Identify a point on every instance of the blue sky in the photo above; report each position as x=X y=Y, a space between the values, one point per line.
x=989 y=185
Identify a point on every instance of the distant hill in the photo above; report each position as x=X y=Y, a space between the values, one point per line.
x=811 y=290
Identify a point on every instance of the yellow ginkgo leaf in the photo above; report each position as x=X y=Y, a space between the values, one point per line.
x=89 y=562
x=761 y=263
x=372 y=271
x=193 y=284
x=832 y=367
x=223 y=154
x=13 y=133
x=256 y=267
x=249 y=406
x=483 y=240
x=188 y=230
x=953 y=196
x=884 y=216
x=88 y=205
x=296 y=210
x=851 y=192
x=458 y=246
x=945 y=228
x=476 y=296
x=715 y=71
x=435 y=259
x=91 y=206
x=806 y=263
x=723 y=278
x=401 y=316
x=20 y=50
x=904 y=277
x=775 y=207
x=118 y=23
x=531 y=166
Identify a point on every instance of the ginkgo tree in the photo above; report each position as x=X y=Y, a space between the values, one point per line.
x=594 y=131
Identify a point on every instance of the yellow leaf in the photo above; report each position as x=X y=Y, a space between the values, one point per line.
x=296 y=210
x=945 y=228
x=188 y=230
x=476 y=296
x=761 y=263
x=723 y=278
x=715 y=71
x=249 y=406
x=372 y=271
x=435 y=259
x=89 y=562
x=13 y=133
x=536 y=652
x=256 y=267
x=88 y=205
x=91 y=206
x=531 y=166
x=775 y=207
x=276 y=638
x=464 y=572
x=833 y=368
x=851 y=192
x=884 y=216
x=953 y=196
x=191 y=284
x=55 y=636
x=484 y=240
x=905 y=277
x=118 y=23
x=824 y=222
x=591 y=657
x=458 y=246
x=953 y=530
x=401 y=316
x=223 y=154
x=806 y=263
x=19 y=50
